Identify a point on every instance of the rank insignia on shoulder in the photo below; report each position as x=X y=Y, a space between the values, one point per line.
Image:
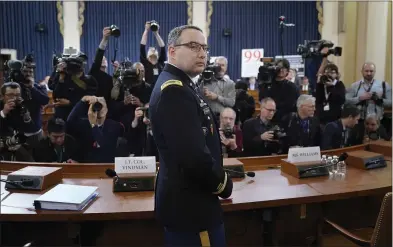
x=170 y=83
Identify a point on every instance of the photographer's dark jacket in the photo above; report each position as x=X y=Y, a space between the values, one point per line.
x=244 y=105
x=253 y=145
x=152 y=71
x=71 y=89
x=13 y=121
x=104 y=80
x=329 y=101
x=191 y=175
x=39 y=98
x=98 y=143
x=304 y=133
x=284 y=93
x=125 y=113
x=47 y=152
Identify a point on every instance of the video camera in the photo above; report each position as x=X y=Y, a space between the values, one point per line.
x=128 y=75
x=74 y=62
x=268 y=71
x=313 y=48
x=209 y=72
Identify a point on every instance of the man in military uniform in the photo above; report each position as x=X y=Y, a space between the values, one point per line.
x=191 y=175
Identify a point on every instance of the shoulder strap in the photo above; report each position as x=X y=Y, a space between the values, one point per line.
x=383 y=90
x=357 y=91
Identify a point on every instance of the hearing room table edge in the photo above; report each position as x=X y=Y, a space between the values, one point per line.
x=269 y=188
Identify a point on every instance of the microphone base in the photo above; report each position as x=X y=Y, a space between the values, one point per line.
x=41 y=177
x=137 y=183
x=365 y=160
x=296 y=169
x=237 y=168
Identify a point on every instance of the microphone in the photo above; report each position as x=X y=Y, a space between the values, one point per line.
x=249 y=174
x=111 y=173
x=289 y=24
x=20 y=184
x=342 y=157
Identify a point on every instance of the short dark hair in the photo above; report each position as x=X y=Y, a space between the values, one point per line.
x=56 y=125
x=332 y=67
x=285 y=63
x=13 y=85
x=175 y=33
x=350 y=110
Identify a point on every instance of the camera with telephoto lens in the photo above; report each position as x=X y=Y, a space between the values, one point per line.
x=325 y=79
x=268 y=71
x=115 y=31
x=129 y=78
x=209 y=72
x=278 y=133
x=97 y=107
x=16 y=139
x=313 y=48
x=154 y=26
x=228 y=132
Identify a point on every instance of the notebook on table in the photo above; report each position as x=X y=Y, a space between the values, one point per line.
x=66 y=197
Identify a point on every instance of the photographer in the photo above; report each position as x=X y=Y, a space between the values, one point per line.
x=283 y=92
x=371 y=130
x=35 y=96
x=244 y=104
x=330 y=91
x=14 y=121
x=260 y=136
x=153 y=62
x=69 y=83
x=141 y=139
x=58 y=146
x=97 y=134
x=302 y=128
x=129 y=92
x=100 y=67
x=219 y=92
x=231 y=136
x=369 y=94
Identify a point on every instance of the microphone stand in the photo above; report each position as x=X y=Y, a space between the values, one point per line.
x=281 y=38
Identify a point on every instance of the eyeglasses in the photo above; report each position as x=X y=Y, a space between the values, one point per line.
x=196 y=47
x=270 y=110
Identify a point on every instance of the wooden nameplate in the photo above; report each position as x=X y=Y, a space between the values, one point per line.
x=381 y=146
x=297 y=170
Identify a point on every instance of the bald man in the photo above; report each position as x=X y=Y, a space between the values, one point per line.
x=369 y=94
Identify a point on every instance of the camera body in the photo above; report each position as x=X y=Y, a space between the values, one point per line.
x=209 y=72
x=228 y=132
x=97 y=107
x=115 y=31
x=325 y=79
x=145 y=111
x=17 y=139
x=313 y=48
x=374 y=96
x=154 y=26
x=278 y=133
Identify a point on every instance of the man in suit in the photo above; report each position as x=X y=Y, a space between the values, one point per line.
x=337 y=133
x=97 y=134
x=191 y=175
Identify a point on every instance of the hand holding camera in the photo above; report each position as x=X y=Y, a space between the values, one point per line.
x=228 y=138
x=268 y=135
x=135 y=101
x=106 y=32
x=365 y=96
x=138 y=113
x=9 y=106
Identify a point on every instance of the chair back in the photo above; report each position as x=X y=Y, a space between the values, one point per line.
x=382 y=235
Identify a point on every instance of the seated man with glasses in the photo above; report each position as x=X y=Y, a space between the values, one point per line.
x=302 y=127
x=260 y=136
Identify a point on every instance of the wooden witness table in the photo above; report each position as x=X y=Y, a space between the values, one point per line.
x=268 y=189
